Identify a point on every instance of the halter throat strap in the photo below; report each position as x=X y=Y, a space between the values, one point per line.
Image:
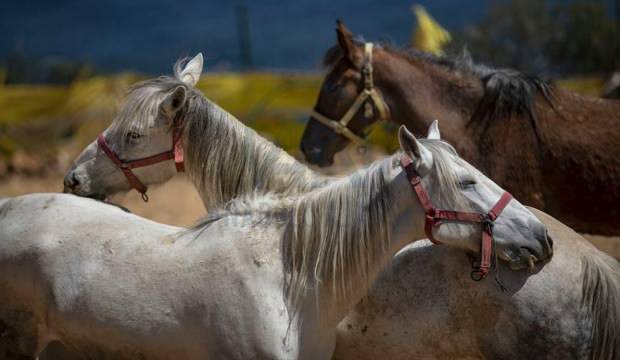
x=368 y=94
x=435 y=217
x=176 y=154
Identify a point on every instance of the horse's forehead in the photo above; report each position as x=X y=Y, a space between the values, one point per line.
x=453 y=160
x=145 y=93
x=139 y=108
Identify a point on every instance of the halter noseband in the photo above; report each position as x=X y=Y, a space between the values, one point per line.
x=369 y=92
x=434 y=218
x=126 y=166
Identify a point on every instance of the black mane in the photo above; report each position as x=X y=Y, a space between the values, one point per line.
x=507 y=92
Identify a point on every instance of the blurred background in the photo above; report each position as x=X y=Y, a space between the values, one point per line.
x=65 y=66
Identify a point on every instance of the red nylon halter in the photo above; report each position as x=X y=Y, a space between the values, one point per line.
x=176 y=154
x=435 y=216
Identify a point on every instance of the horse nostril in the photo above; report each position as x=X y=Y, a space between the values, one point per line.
x=549 y=240
x=312 y=154
x=315 y=150
x=71 y=181
x=549 y=243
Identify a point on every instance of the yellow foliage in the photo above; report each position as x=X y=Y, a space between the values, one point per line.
x=428 y=35
x=585 y=85
x=276 y=105
x=24 y=103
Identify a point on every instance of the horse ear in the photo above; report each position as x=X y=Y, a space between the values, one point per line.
x=191 y=73
x=351 y=51
x=421 y=156
x=174 y=101
x=433 y=131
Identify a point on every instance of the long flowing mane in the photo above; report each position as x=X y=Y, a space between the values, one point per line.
x=601 y=296
x=228 y=159
x=225 y=158
x=507 y=92
x=332 y=234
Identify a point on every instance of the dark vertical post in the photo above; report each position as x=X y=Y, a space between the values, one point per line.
x=243 y=32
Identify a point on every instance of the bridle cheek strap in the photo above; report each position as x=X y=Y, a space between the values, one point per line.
x=126 y=166
x=434 y=217
x=340 y=127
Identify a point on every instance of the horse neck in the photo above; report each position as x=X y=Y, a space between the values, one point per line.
x=342 y=236
x=418 y=91
x=226 y=159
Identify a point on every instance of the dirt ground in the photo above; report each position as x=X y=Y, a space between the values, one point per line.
x=180 y=191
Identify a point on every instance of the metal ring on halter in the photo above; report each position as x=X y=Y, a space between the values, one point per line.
x=476 y=275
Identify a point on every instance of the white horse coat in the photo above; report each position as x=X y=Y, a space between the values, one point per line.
x=270 y=278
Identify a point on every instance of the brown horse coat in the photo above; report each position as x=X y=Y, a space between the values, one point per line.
x=553 y=149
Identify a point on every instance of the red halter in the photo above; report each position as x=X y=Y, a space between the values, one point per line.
x=176 y=154
x=435 y=216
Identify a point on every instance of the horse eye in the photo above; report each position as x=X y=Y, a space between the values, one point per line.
x=133 y=135
x=331 y=87
x=467 y=183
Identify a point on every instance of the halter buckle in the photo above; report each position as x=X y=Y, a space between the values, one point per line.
x=367 y=69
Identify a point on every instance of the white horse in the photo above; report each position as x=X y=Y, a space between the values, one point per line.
x=267 y=278
x=223 y=157
x=231 y=160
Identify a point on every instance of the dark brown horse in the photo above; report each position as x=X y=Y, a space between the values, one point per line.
x=553 y=149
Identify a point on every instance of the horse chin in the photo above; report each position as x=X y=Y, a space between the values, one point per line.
x=524 y=260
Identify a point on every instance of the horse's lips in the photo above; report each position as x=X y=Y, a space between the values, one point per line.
x=524 y=260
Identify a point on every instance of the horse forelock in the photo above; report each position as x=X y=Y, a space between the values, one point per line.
x=332 y=55
x=335 y=53
x=141 y=107
x=601 y=296
x=443 y=174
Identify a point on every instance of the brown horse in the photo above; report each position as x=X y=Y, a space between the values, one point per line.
x=554 y=149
